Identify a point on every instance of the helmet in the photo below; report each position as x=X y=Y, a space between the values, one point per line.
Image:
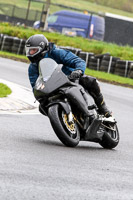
x=36 y=47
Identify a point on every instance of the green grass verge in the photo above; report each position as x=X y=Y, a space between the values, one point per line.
x=105 y=77
x=110 y=78
x=4 y=90
x=13 y=56
x=97 y=47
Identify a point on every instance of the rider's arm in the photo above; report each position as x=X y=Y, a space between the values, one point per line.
x=33 y=74
x=69 y=59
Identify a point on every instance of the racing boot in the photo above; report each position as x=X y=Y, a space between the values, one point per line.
x=102 y=108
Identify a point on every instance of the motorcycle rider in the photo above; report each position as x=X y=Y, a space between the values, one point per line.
x=37 y=47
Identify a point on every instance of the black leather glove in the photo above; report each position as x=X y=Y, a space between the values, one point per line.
x=75 y=74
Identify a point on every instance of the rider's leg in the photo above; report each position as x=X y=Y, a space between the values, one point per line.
x=92 y=86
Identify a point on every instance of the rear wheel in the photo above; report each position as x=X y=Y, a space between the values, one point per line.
x=66 y=131
x=111 y=137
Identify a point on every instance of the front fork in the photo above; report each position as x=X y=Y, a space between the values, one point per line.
x=63 y=103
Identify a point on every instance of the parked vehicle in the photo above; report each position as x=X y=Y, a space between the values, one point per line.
x=72 y=113
x=77 y=24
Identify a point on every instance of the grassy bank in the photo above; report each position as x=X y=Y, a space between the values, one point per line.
x=110 y=78
x=102 y=76
x=97 y=47
x=13 y=56
x=4 y=90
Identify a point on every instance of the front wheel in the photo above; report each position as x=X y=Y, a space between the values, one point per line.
x=67 y=132
x=111 y=137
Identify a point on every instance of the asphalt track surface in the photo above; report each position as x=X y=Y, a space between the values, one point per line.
x=34 y=164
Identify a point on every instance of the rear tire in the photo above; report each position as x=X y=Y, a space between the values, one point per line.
x=110 y=138
x=68 y=136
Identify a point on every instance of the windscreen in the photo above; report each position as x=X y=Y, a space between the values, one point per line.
x=46 y=68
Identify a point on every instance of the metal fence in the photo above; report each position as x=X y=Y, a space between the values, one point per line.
x=34 y=15
x=15 y=11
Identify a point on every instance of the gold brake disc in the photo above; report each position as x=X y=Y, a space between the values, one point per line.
x=69 y=125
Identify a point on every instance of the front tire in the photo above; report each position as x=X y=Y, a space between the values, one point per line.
x=67 y=133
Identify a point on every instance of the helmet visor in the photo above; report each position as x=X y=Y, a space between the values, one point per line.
x=32 y=51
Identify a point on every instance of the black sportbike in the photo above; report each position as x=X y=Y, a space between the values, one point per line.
x=71 y=110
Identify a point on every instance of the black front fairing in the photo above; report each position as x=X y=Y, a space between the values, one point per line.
x=50 y=79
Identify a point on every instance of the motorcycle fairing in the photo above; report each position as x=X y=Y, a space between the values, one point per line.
x=74 y=95
x=49 y=80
